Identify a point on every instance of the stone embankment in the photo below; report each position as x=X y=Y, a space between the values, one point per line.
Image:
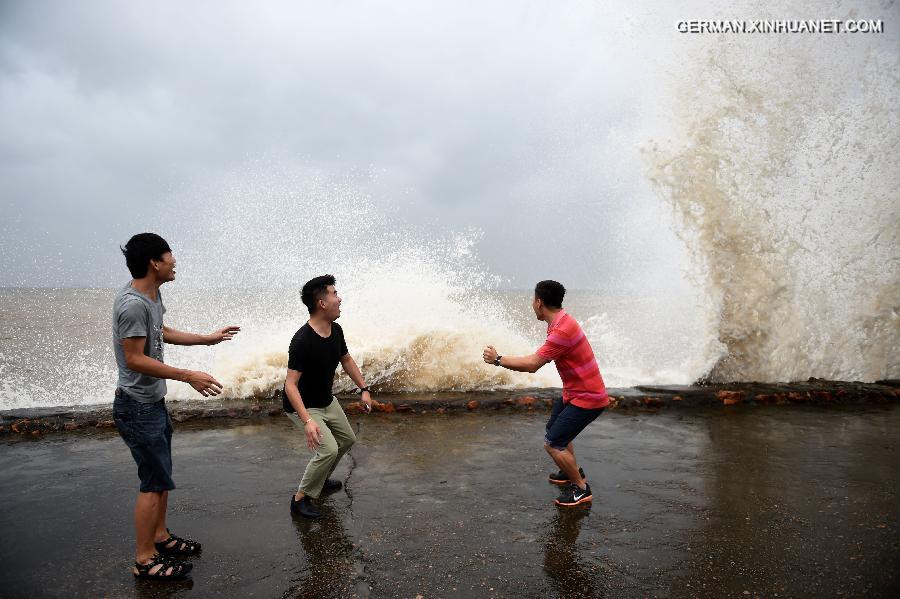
x=35 y=421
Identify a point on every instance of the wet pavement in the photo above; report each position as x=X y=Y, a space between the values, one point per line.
x=775 y=501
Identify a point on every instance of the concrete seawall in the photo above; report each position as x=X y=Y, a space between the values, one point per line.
x=35 y=421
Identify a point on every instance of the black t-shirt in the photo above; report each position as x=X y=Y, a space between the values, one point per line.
x=316 y=358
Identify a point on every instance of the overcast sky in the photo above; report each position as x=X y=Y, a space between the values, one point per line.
x=518 y=120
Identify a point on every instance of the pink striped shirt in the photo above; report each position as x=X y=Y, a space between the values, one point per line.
x=568 y=346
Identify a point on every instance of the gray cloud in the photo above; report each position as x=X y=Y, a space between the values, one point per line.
x=517 y=119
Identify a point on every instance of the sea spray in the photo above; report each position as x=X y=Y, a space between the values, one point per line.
x=417 y=307
x=783 y=177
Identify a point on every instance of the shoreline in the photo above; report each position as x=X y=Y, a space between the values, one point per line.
x=37 y=421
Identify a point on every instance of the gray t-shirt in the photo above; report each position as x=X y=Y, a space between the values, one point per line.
x=136 y=315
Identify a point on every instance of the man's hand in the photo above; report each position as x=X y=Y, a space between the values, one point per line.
x=489 y=354
x=367 y=401
x=313 y=434
x=223 y=334
x=203 y=383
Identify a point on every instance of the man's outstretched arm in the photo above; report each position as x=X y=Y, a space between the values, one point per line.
x=176 y=337
x=531 y=363
x=136 y=360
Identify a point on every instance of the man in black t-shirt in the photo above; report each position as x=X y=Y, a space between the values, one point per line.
x=315 y=351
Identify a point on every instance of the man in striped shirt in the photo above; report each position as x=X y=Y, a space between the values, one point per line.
x=584 y=393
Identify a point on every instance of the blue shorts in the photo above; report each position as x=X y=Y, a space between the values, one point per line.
x=566 y=421
x=147 y=431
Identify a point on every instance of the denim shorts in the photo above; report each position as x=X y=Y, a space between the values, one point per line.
x=147 y=431
x=566 y=421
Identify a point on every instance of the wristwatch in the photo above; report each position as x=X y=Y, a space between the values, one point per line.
x=363 y=390
x=497 y=360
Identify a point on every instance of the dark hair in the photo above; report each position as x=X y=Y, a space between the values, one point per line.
x=314 y=290
x=140 y=250
x=551 y=293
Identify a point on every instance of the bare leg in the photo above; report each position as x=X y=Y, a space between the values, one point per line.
x=571 y=449
x=161 y=532
x=146 y=516
x=566 y=462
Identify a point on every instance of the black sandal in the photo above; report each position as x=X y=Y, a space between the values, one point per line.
x=169 y=569
x=180 y=547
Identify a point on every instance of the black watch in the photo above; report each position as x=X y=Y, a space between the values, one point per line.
x=497 y=360
x=364 y=389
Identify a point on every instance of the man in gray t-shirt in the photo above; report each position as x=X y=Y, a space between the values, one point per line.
x=139 y=409
x=136 y=315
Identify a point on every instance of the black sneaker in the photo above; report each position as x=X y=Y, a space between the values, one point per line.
x=332 y=485
x=572 y=495
x=304 y=507
x=561 y=479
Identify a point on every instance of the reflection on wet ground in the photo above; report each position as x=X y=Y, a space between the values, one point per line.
x=786 y=501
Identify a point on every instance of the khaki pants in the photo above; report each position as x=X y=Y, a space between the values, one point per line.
x=336 y=439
